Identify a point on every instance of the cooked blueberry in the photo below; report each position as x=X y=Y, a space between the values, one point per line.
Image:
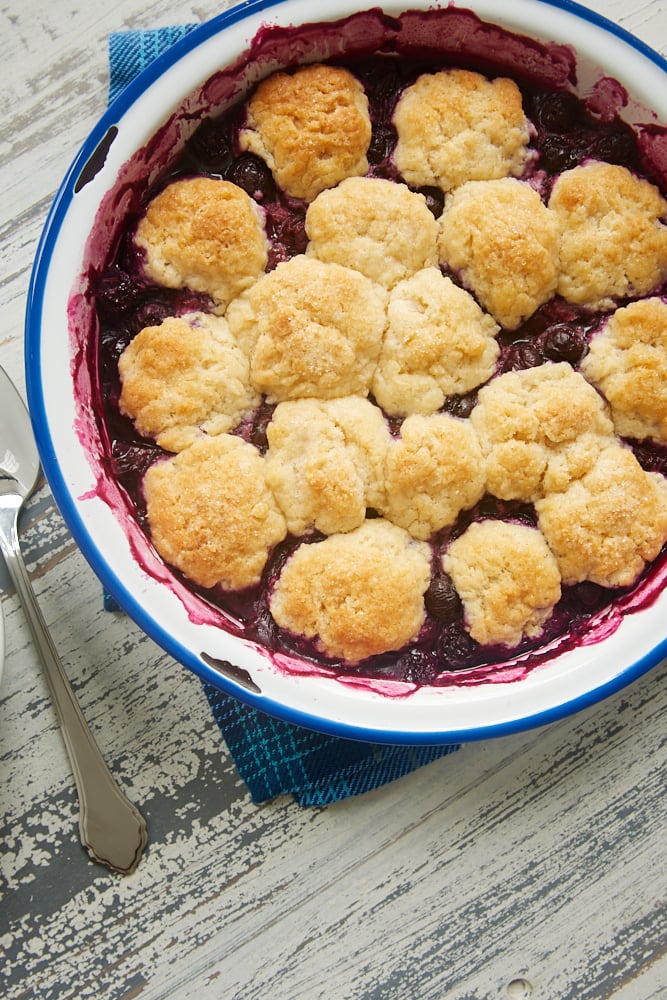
x=258 y=433
x=651 y=456
x=210 y=145
x=251 y=173
x=490 y=506
x=527 y=517
x=383 y=140
x=417 y=667
x=381 y=82
x=461 y=406
x=559 y=112
x=128 y=457
x=289 y=230
x=457 y=649
x=521 y=355
x=557 y=155
x=442 y=600
x=112 y=344
x=151 y=313
x=266 y=628
x=615 y=147
x=435 y=200
x=564 y=343
x=115 y=288
x=588 y=596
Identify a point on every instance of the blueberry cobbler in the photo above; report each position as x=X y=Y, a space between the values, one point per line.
x=383 y=355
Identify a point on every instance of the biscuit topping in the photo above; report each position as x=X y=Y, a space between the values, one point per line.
x=434 y=471
x=380 y=317
x=212 y=514
x=312 y=127
x=613 y=243
x=205 y=234
x=539 y=429
x=505 y=243
x=607 y=525
x=507 y=578
x=455 y=126
x=627 y=361
x=438 y=343
x=184 y=378
x=310 y=329
x=357 y=594
x=325 y=462
x=379 y=228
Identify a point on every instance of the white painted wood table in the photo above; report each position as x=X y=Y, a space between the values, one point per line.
x=529 y=866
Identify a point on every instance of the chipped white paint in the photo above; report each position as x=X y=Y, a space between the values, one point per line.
x=533 y=866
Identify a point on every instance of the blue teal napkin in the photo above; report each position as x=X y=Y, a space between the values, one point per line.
x=275 y=757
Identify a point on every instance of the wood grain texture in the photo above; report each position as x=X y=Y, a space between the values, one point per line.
x=533 y=865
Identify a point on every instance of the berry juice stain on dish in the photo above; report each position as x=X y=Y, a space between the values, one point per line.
x=404 y=415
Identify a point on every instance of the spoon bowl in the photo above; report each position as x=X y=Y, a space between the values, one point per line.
x=18 y=452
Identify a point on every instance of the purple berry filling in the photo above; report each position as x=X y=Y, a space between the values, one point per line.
x=565 y=134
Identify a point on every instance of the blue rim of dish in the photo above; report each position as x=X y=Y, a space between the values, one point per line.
x=67 y=505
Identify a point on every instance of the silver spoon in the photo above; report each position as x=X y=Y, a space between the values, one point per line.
x=112 y=829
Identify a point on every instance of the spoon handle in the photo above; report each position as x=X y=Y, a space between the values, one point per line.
x=112 y=829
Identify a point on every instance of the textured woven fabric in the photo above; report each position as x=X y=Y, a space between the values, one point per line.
x=132 y=51
x=274 y=757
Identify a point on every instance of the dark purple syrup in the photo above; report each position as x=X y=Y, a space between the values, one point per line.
x=566 y=133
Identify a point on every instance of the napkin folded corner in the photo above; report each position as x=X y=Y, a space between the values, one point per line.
x=274 y=757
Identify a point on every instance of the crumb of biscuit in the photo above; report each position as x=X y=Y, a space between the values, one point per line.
x=456 y=125
x=311 y=127
x=504 y=242
x=184 y=378
x=434 y=471
x=627 y=361
x=211 y=513
x=357 y=594
x=507 y=579
x=310 y=329
x=607 y=525
x=325 y=462
x=379 y=228
x=613 y=242
x=438 y=343
x=205 y=234
x=539 y=429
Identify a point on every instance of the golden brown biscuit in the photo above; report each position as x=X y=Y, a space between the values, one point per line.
x=311 y=127
x=438 y=343
x=211 y=514
x=507 y=579
x=184 y=378
x=455 y=126
x=613 y=243
x=205 y=234
x=357 y=594
x=539 y=429
x=325 y=462
x=375 y=226
x=607 y=525
x=627 y=361
x=504 y=242
x=434 y=471
x=310 y=329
